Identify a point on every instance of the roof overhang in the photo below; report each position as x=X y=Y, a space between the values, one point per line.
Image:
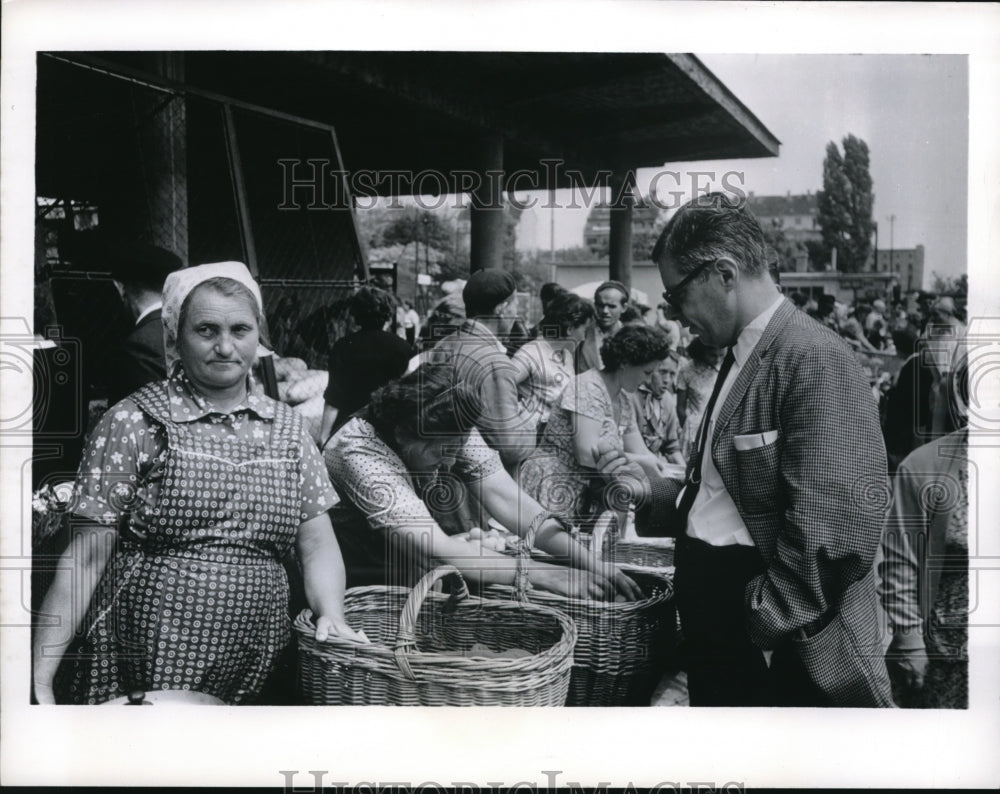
x=421 y=112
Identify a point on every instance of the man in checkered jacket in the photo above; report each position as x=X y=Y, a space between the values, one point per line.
x=781 y=511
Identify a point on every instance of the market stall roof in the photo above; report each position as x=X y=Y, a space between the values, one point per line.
x=420 y=112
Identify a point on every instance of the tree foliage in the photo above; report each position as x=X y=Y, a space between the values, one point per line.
x=413 y=224
x=787 y=252
x=419 y=240
x=845 y=205
x=956 y=286
x=578 y=253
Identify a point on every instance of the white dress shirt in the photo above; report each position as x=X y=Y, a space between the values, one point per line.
x=714 y=518
x=148 y=310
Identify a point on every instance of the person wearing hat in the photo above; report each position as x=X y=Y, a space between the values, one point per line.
x=139 y=270
x=611 y=298
x=477 y=357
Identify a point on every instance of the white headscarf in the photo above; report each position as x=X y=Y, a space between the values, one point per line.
x=181 y=283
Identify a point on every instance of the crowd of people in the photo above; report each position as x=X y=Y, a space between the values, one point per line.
x=729 y=417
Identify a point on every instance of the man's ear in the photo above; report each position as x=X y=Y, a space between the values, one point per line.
x=729 y=270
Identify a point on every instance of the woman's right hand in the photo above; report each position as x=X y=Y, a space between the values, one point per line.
x=573 y=583
x=913 y=664
x=44 y=694
x=335 y=625
x=626 y=586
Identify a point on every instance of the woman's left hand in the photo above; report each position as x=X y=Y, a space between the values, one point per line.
x=325 y=626
x=623 y=583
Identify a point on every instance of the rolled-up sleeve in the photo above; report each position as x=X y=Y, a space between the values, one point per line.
x=317 y=492
x=476 y=460
x=368 y=474
x=904 y=545
x=122 y=451
x=503 y=422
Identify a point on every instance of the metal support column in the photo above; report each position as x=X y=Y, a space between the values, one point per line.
x=486 y=213
x=620 y=235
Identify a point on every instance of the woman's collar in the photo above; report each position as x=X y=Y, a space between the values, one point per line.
x=187 y=404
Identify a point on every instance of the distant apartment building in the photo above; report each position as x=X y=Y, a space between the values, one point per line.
x=646 y=223
x=796 y=216
x=907 y=264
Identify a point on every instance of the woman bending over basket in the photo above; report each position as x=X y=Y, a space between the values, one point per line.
x=412 y=461
x=190 y=494
x=593 y=415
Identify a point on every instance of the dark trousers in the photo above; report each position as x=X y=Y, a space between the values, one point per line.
x=724 y=667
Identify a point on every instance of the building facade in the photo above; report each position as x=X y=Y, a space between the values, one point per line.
x=796 y=216
x=646 y=224
x=907 y=264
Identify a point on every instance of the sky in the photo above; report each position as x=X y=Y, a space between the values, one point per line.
x=911 y=110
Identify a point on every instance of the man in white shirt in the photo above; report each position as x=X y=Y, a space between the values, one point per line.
x=411 y=323
x=779 y=517
x=611 y=298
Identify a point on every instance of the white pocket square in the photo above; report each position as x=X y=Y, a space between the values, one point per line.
x=754 y=440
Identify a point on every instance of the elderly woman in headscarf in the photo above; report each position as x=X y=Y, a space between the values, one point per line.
x=191 y=493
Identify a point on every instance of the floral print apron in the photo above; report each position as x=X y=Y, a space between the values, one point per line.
x=198 y=599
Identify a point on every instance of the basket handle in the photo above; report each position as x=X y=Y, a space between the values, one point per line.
x=406 y=636
x=524 y=546
x=606 y=525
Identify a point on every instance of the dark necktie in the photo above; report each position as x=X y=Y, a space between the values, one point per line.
x=693 y=481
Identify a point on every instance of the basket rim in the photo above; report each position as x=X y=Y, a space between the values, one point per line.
x=546 y=598
x=382 y=655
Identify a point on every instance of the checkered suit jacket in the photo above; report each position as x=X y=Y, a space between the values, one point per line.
x=814 y=501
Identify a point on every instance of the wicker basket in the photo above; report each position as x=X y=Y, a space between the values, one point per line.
x=622 y=648
x=654 y=557
x=420 y=650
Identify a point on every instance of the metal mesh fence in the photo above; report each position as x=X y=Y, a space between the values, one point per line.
x=152 y=161
x=195 y=176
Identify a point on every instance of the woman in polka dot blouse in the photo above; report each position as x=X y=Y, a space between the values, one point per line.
x=409 y=465
x=190 y=495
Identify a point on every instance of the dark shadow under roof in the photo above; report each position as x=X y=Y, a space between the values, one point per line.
x=415 y=111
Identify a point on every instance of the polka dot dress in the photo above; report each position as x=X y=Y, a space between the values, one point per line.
x=197 y=598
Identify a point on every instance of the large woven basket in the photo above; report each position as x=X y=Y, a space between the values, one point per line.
x=422 y=654
x=622 y=648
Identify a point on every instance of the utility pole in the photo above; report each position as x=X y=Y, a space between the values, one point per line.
x=427 y=246
x=892 y=247
x=552 y=225
x=875 y=269
x=416 y=260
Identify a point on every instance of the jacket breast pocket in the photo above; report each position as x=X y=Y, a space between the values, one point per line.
x=757 y=464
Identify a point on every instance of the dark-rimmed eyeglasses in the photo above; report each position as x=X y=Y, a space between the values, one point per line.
x=675 y=297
